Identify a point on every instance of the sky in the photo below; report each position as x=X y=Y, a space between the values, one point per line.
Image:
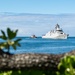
x=29 y=24
x=38 y=6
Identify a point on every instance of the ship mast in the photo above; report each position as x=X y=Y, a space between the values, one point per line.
x=57 y=27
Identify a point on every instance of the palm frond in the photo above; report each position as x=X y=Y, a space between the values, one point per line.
x=14 y=47
x=11 y=34
x=3 y=35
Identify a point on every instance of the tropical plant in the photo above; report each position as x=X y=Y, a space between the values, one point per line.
x=67 y=66
x=9 y=39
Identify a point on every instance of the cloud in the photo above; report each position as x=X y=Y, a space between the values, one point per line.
x=37 y=24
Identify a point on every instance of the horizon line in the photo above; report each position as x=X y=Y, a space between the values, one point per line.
x=37 y=13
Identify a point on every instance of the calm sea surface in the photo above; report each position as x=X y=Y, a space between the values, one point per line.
x=39 y=45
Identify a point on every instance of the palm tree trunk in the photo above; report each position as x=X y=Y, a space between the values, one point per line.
x=8 y=48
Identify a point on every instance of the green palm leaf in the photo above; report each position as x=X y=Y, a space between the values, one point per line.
x=3 y=35
x=17 y=40
x=1 y=45
x=14 y=47
x=11 y=34
x=16 y=43
x=6 y=46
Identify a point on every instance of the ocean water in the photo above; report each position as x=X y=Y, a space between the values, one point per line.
x=39 y=45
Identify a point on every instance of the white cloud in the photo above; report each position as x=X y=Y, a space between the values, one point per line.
x=38 y=24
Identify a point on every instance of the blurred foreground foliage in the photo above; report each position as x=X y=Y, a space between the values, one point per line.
x=27 y=72
x=9 y=39
x=67 y=66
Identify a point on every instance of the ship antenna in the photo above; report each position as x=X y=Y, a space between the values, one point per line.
x=57 y=26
